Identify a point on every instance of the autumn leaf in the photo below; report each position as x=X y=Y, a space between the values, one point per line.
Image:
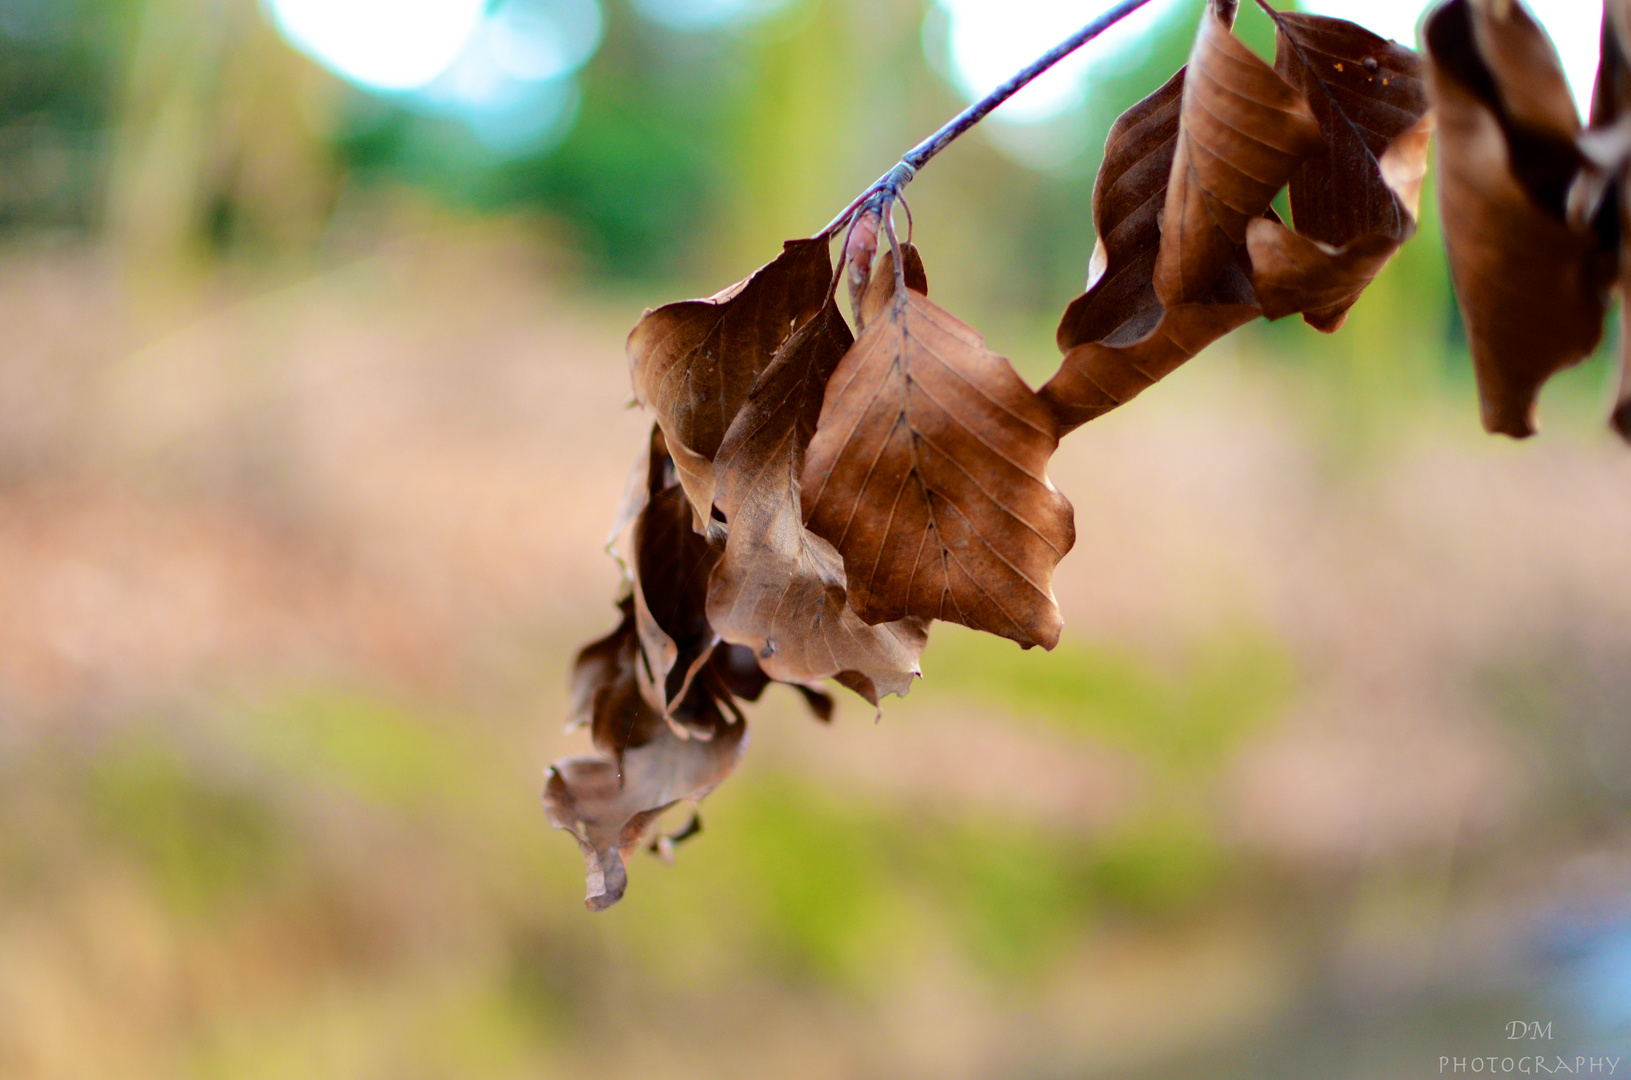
x=611 y=800
x=1117 y=336
x=599 y=663
x=927 y=473
x=1530 y=285
x=1607 y=148
x=780 y=589
x=612 y=803
x=1354 y=201
x=1097 y=376
x=693 y=362
x=672 y=562
x=1242 y=132
x=652 y=471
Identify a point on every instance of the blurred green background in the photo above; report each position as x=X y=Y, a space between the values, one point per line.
x=312 y=418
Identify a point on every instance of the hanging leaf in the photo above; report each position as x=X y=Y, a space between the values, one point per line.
x=1117 y=337
x=694 y=362
x=1242 y=132
x=1354 y=201
x=1530 y=286
x=672 y=562
x=610 y=801
x=779 y=589
x=652 y=471
x=1607 y=149
x=927 y=472
x=599 y=664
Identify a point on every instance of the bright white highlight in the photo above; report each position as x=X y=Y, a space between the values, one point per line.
x=543 y=39
x=1572 y=24
x=381 y=44
x=986 y=41
x=505 y=70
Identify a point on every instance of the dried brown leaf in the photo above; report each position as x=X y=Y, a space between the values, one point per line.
x=611 y=802
x=928 y=474
x=672 y=562
x=1607 y=148
x=1117 y=337
x=693 y=362
x=1355 y=201
x=1292 y=273
x=643 y=764
x=1242 y=132
x=1097 y=376
x=1366 y=92
x=1530 y=286
x=600 y=663
x=1128 y=196
x=780 y=589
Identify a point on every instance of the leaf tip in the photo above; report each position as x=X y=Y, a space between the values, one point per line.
x=1620 y=420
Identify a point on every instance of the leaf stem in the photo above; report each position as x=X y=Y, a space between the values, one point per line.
x=888 y=186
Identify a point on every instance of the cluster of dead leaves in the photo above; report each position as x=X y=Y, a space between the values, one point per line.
x=1189 y=247
x=810 y=501
x=813 y=496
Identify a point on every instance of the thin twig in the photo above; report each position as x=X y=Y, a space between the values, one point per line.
x=891 y=182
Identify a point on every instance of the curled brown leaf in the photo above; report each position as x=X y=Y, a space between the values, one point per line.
x=611 y=800
x=1097 y=376
x=611 y=804
x=672 y=562
x=599 y=664
x=1354 y=201
x=1117 y=336
x=1242 y=132
x=1531 y=286
x=693 y=362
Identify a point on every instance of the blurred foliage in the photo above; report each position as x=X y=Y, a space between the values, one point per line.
x=201 y=841
x=1223 y=690
x=60 y=62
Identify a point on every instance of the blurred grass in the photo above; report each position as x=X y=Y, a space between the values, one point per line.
x=1184 y=718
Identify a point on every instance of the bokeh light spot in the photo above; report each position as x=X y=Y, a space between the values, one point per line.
x=506 y=70
x=381 y=44
x=986 y=41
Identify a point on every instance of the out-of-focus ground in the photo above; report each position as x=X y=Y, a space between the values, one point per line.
x=313 y=416
x=1327 y=778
